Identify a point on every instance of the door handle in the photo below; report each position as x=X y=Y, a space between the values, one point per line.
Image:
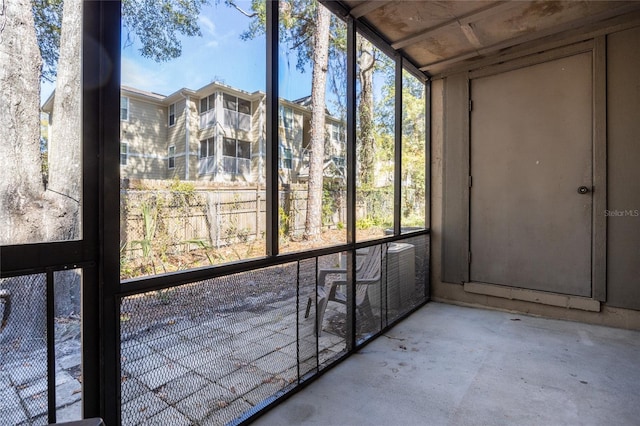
x=583 y=190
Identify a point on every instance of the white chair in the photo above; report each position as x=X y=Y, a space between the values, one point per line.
x=368 y=267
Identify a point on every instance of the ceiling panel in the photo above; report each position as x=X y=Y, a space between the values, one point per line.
x=438 y=34
x=399 y=20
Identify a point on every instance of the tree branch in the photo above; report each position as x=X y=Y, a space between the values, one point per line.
x=372 y=62
x=301 y=42
x=247 y=14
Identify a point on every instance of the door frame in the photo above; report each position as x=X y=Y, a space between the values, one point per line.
x=597 y=48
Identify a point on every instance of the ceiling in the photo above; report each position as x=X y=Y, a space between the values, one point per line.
x=439 y=35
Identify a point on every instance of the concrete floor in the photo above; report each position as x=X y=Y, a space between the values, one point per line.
x=451 y=365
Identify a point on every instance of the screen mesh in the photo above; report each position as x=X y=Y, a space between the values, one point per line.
x=212 y=352
x=209 y=351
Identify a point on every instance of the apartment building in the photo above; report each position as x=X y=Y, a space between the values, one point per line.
x=216 y=133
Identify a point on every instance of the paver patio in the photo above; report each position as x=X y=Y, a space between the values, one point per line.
x=180 y=372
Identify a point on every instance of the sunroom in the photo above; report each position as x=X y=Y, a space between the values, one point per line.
x=488 y=158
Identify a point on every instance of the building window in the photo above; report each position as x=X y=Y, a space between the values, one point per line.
x=337 y=134
x=172 y=114
x=287 y=117
x=206 y=163
x=124 y=153
x=124 y=108
x=207 y=103
x=236 y=156
x=286 y=159
x=206 y=148
x=237 y=112
x=207 y=112
x=172 y=157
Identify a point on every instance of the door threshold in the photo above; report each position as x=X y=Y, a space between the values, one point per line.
x=534 y=296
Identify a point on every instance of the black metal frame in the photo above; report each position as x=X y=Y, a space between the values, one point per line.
x=97 y=253
x=397 y=178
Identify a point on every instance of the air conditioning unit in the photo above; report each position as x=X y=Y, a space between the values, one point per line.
x=401 y=278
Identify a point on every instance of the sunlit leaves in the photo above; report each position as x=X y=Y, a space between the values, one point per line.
x=156 y=25
x=47 y=16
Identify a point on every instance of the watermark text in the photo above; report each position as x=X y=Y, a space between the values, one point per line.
x=622 y=213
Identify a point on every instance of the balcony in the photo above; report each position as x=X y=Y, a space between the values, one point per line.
x=208 y=119
x=452 y=365
x=211 y=351
x=516 y=92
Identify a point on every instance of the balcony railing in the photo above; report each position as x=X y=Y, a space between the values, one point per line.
x=206 y=165
x=213 y=351
x=237 y=120
x=208 y=119
x=236 y=166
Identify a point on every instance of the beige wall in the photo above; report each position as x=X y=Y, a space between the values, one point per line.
x=294 y=140
x=504 y=298
x=193 y=125
x=623 y=223
x=145 y=132
x=175 y=137
x=149 y=137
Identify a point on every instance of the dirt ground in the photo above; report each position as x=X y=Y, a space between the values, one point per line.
x=198 y=257
x=249 y=291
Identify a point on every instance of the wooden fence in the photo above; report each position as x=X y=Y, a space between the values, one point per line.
x=180 y=220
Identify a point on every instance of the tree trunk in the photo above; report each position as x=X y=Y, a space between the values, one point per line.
x=366 y=151
x=21 y=187
x=313 y=221
x=22 y=202
x=65 y=150
x=65 y=153
x=28 y=213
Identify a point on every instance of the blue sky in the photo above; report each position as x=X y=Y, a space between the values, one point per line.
x=219 y=55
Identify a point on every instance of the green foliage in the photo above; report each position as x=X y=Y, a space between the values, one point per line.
x=329 y=206
x=149 y=219
x=371 y=222
x=413 y=140
x=377 y=207
x=47 y=16
x=297 y=29
x=285 y=222
x=125 y=267
x=258 y=21
x=202 y=243
x=413 y=137
x=154 y=24
x=188 y=189
x=157 y=23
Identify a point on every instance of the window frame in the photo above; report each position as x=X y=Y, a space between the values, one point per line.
x=235 y=156
x=126 y=109
x=125 y=153
x=172 y=116
x=286 y=158
x=171 y=157
x=211 y=103
x=227 y=97
x=103 y=376
x=209 y=143
x=291 y=120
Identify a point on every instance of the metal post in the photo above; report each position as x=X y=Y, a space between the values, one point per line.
x=51 y=350
x=272 y=128
x=351 y=180
x=397 y=180
x=427 y=174
x=101 y=101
